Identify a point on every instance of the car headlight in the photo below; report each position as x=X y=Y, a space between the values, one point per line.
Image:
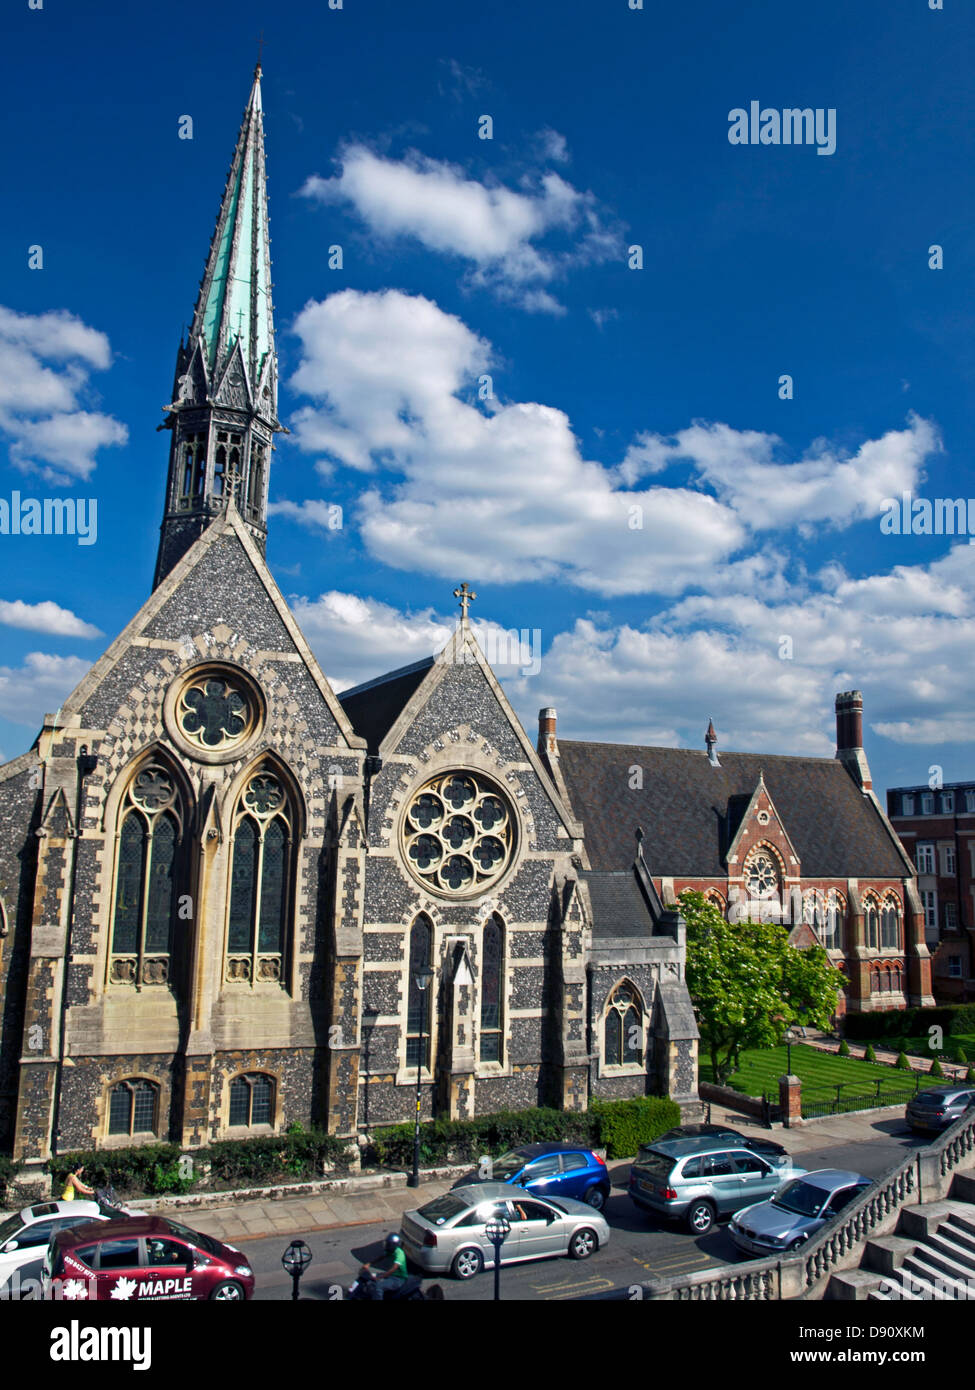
x=244 y=1270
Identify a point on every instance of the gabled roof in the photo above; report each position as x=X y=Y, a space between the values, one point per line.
x=619 y=908
x=374 y=706
x=690 y=810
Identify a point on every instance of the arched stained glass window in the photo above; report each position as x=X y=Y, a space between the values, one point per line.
x=261 y=878
x=623 y=1032
x=889 y=927
x=491 y=991
x=418 y=1000
x=251 y=1100
x=871 y=926
x=146 y=878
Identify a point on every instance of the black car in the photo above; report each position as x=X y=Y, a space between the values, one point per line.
x=724 y=1132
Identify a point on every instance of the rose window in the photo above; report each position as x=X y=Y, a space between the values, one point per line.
x=458 y=834
x=762 y=876
x=213 y=713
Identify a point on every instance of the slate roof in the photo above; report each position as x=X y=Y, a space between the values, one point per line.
x=690 y=810
x=374 y=707
x=619 y=908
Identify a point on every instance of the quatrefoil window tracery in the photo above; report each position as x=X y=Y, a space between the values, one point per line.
x=458 y=833
x=214 y=713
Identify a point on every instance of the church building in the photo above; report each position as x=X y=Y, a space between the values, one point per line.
x=231 y=900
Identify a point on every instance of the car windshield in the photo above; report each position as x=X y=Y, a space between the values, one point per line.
x=10 y=1228
x=508 y=1165
x=800 y=1197
x=441 y=1209
x=205 y=1242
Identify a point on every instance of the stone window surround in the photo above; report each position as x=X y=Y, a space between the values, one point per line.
x=101 y=1138
x=224 y=1128
x=606 y=1069
x=219 y=670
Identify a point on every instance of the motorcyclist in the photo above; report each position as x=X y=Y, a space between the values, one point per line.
x=397 y=1271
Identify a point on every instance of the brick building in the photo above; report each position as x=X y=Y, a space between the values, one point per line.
x=802 y=840
x=937 y=826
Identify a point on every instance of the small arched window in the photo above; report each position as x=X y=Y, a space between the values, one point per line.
x=623 y=1033
x=871 y=926
x=133 y=1107
x=146 y=877
x=261 y=880
x=418 y=1000
x=251 y=1100
x=890 y=936
x=491 y=991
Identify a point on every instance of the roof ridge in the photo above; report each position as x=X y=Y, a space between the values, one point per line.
x=762 y=758
x=388 y=676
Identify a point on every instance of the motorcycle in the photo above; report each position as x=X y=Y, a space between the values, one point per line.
x=368 y=1289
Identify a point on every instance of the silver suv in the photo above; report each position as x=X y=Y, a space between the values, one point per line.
x=698 y=1180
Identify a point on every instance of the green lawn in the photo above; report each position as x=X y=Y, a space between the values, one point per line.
x=820 y=1073
x=919 y=1046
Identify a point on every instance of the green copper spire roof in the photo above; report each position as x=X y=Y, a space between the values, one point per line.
x=234 y=304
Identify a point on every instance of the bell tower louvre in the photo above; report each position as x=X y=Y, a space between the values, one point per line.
x=223 y=414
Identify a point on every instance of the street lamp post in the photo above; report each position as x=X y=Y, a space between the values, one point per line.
x=422 y=979
x=496 y=1231
x=790 y=1035
x=296 y=1260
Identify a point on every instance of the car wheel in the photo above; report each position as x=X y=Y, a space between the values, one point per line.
x=583 y=1243
x=467 y=1263
x=596 y=1198
x=797 y=1243
x=700 y=1218
x=228 y=1292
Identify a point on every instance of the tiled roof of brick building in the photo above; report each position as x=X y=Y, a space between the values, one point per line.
x=689 y=810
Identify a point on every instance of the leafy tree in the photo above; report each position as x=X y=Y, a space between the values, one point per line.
x=748 y=984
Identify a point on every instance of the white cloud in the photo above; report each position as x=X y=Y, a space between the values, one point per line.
x=493 y=227
x=38 y=687
x=823 y=488
x=45 y=617
x=41 y=410
x=510 y=486
x=313 y=513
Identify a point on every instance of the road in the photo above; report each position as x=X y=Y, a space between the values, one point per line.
x=639 y=1247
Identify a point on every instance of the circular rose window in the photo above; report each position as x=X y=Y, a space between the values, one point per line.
x=458 y=833
x=762 y=876
x=214 y=711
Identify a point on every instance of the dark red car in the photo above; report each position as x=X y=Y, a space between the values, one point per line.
x=144 y=1257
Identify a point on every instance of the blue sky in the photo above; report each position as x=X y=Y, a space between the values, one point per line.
x=635 y=491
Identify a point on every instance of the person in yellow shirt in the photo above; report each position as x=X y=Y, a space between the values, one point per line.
x=74 y=1187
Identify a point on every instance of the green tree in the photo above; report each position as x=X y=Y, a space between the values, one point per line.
x=748 y=984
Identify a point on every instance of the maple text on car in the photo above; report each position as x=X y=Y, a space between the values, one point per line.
x=148 y=1257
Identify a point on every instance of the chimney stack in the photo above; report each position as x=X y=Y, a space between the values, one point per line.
x=547 y=746
x=849 y=736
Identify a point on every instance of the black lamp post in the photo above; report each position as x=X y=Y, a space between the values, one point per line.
x=497 y=1230
x=789 y=1037
x=422 y=979
x=296 y=1260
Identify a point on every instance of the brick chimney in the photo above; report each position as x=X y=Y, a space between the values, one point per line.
x=547 y=745
x=849 y=737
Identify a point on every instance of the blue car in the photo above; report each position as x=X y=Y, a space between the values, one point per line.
x=548 y=1170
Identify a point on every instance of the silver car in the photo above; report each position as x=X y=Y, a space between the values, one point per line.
x=797 y=1211
x=939 y=1107
x=449 y=1233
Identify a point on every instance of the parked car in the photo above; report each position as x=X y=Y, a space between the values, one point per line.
x=145 y=1257
x=938 y=1107
x=550 y=1170
x=755 y=1142
x=448 y=1235
x=24 y=1238
x=797 y=1211
x=699 y=1180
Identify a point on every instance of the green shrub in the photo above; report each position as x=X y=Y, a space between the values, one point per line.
x=626 y=1124
x=936 y=1068
x=870 y=1055
x=844 y=1048
x=915 y=1022
x=960 y=1055
x=902 y=1063
x=970 y=1074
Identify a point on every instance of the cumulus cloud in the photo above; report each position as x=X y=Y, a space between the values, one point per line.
x=495 y=228
x=823 y=488
x=39 y=686
x=313 y=513
x=45 y=617
x=389 y=372
x=45 y=364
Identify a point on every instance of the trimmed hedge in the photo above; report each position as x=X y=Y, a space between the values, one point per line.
x=844 y=1048
x=898 y=1023
x=869 y=1055
x=152 y=1169
x=902 y=1063
x=619 y=1126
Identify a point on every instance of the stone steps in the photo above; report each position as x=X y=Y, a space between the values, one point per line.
x=930 y=1259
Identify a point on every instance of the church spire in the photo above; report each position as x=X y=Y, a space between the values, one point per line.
x=224 y=408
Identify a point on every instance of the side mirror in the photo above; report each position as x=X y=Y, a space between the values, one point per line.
x=10 y=1247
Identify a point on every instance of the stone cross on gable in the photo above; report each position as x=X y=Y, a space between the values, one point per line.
x=467 y=597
